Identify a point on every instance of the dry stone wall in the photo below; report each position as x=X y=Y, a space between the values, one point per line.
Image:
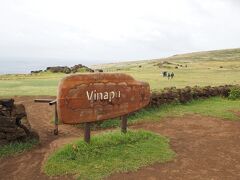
x=13 y=123
x=171 y=95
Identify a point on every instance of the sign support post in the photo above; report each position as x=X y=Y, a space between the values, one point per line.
x=124 y=124
x=87 y=132
x=56 y=120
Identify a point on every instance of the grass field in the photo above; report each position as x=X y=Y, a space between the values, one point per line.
x=218 y=107
x=203 y=68
x=109 y=153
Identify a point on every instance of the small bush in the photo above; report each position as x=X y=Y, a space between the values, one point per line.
x=234 y=93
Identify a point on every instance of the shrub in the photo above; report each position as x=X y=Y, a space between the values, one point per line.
x=234 y=93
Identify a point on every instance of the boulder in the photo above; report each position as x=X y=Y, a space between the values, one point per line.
x=8 y=129
x=65 y=69
x=80 y=68
x=6 y=103
x=36 y=72
x=2 y=135
x=13 y=123
x=8 y=122
x=59 y=69
x=98 y=70
x=3 y=142
x=75 y=68
x=18 y=134
x=19 y=111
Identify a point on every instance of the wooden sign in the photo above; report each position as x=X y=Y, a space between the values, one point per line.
x=99 y=96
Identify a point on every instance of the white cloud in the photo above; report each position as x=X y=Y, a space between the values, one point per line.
x=109 y=30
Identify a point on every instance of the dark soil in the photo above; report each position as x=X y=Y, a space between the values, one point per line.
x=206 y=148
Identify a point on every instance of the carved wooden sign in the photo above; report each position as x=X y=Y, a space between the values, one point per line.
x=99 y=96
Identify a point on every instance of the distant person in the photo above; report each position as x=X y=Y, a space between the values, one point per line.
x=164 y=73
x=172 y=75
x=168 y=75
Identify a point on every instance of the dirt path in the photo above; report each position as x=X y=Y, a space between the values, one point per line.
x=28 y=165
x=207 y=148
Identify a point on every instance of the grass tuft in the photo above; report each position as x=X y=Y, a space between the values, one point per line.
x=17 y=148
x=109 y=153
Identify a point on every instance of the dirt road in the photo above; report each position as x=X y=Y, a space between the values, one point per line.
x=28 y=165
x=207 y=148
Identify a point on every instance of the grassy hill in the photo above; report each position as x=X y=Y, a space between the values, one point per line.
x=199 y=68
x=226 y=55
x=217 y=55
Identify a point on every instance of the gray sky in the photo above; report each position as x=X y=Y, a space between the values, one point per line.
x=98 y=31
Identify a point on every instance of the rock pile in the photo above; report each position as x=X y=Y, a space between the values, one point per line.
x=80 y=68
x=59 y=69
x=98 y=70
x=13 y=123
x=66 y=69
x=171 y=95
x=35 y=72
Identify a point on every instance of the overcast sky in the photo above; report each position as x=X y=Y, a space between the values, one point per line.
x=98 y=31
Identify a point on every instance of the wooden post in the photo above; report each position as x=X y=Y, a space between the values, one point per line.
x=124 y=124
x=87 y=132
x=56 y=120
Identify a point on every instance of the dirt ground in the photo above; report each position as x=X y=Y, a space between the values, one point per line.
x=206 y=148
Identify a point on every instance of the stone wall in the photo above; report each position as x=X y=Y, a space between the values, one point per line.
x=171 y=95
x=13 y=123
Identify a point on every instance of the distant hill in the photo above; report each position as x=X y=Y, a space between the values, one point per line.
x=219 y=55
x=203 y=56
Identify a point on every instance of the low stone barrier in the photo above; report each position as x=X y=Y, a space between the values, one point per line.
x=183 y=95
x=13 y=123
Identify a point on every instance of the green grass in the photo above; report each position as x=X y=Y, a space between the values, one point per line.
x=214 y=107
x=17 y=148
x=28 y=87
x=109 y=153
x=203 y=68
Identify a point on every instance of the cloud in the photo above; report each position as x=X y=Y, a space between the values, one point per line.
x=106 y=31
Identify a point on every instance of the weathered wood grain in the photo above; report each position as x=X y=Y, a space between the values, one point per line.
x=100 y=96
